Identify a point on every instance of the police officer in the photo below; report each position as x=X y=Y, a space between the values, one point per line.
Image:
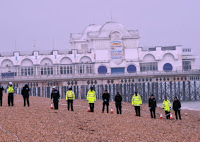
x=167 y=107
x=152 y=106
x=118 y=103
x=1 y=94
x=106 y=98
x=25 y=94
x=91 y=98
x=136 y=102
x=55 y=95
x=70 y=97
x=11 y=92
x=177 y=108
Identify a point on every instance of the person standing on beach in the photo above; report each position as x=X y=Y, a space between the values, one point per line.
x=91 y=98
x=1 y=94
x=55 y=95
x=118 y=103
x=25 y=94
x=11 y=92
x=70 y=98
x=136 y=102
x=177 y=108
x=167 y=107
x=106 y=98
x=152 y=106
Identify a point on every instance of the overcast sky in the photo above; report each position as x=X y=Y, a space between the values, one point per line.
x=160 y=23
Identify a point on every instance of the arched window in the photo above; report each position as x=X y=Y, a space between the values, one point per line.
x=167 y=67
x=131 y=69
x=102 y=70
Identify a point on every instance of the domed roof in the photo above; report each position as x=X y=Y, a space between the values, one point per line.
x=90 y=28
x=109 y=27
x=104 y=31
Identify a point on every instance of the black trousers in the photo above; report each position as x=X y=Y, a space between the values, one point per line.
x=153 y=112
x=10 y=99
x=119 y=108
x=1 y=100
x=70 y=103
x=107 y=105
x=91 y=107
x=26 y=99
x=55 y=102
x=137 y=110
x=167 y=113
x=179 y=114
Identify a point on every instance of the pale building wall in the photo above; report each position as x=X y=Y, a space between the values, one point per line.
x=93 y=46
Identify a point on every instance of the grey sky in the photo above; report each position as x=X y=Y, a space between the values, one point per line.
x=169 y=22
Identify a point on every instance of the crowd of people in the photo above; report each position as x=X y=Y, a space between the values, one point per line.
x=91 y=98
x=136 y=102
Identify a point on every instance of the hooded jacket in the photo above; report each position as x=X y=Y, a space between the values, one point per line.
x=25 y=91
x=176 y=105
x=118 y=99
x=152 y=102
x=55 y=95
x=106 y=97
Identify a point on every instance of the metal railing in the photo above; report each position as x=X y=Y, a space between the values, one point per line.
x=99 y=76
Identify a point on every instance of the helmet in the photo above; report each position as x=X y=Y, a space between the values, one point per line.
x=54 y=87
x=10 y=83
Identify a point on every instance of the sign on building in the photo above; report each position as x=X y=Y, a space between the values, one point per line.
x=116 y=51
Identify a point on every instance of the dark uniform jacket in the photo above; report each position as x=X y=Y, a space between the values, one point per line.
x=106 y=97
x=25 y=91
x=55 y=95
x=118 y=99
x=152 y=103
x=176 y=105
x=1 y=90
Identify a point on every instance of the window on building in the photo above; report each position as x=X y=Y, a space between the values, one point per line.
x=27 y=71
x=150 y=66
x=66 y=69
x=61 y=70
x=42 y=72
x=187 y=65
x=81 y=69
x=46 y=70
x=85 y=68
x=131 y=69
x=102 y=70
x=167 y=67
x=117 y=70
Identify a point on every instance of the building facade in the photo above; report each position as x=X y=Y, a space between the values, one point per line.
x=106 y=57
x=101 y=49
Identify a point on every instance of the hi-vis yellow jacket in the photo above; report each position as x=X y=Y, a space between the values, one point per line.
x=166 y=105
x=91 y=96
x=11 y=89
x=136 y=100
x=70 y=95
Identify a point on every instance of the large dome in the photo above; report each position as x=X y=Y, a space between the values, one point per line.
x=92 y=28
x=110 y=27
x=104 y=31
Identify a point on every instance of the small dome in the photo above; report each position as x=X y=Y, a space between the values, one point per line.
x=89 y=29
x=92 y=28
x=110 y=27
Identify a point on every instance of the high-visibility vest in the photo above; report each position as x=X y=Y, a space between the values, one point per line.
x=70 y=95
x=91 y=96
x=136 y=100
x=166 y=105
x=11 y=89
